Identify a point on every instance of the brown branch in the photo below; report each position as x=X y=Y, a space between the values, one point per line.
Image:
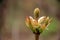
x=37 y=36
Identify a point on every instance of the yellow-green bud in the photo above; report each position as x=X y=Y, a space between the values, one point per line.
x=36 y=12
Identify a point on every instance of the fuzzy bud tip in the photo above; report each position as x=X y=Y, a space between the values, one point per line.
x=36 y=12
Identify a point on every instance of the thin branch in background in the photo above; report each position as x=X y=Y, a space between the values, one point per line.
x=2 y=14
x=58 y=9
x=58 y=16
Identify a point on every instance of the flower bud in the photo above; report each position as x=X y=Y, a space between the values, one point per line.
x=36 y=13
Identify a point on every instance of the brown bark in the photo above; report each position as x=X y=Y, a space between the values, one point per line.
x=36 y=36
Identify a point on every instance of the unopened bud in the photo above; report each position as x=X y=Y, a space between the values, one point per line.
x=36 y=12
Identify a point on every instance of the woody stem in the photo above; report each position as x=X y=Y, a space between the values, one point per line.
x=36 y=36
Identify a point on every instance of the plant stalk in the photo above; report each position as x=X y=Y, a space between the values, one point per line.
x=37 y=36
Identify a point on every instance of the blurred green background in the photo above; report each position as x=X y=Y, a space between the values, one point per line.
x=12 y=19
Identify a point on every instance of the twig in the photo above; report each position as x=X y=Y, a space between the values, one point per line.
x=37 y=36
